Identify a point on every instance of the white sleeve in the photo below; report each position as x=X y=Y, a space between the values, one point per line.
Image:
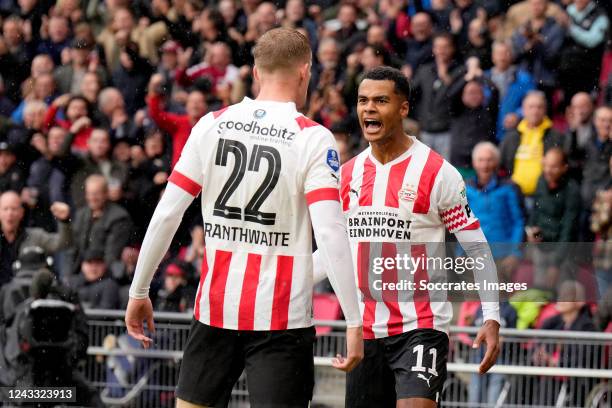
x=184 y=184
x=164 y=223
x=459 y=219
x=323 y=198
x=335 y=256
x=318 y=268
x=323 y=165
x=475 y=245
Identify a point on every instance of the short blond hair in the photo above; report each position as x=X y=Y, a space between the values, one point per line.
x=281 y=49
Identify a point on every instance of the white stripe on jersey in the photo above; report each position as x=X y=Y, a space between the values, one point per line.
x=204 y=315
x=263 y=303
x=299 y=304
x=233 y=289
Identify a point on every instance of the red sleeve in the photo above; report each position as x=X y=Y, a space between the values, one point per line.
x=164 y=120
x=81 y=138
x=182 y=78
x=50 y=117
x=402 y=26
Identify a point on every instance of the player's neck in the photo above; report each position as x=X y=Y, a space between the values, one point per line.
x=391 y=148
x=278 y=92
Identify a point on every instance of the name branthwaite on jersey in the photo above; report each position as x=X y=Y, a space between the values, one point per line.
x=247 y=235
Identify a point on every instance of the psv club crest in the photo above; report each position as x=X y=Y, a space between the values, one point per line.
x=407 y=193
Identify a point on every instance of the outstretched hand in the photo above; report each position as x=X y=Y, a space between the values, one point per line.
x=354 y=350
x=489 y=334
x=139 y=310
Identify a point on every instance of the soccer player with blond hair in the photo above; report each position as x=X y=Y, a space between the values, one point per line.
x=266 y=174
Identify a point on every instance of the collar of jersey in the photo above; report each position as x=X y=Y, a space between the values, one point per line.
x=399 y=158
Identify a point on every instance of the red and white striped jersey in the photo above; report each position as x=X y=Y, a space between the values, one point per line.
x=410 y=200
x=259 y=164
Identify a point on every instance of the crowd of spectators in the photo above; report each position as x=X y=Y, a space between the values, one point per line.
x=97 y=99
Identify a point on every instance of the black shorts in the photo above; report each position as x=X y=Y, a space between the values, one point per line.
x=279 y=366
x=399 y=367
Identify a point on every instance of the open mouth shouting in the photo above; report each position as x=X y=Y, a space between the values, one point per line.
x=372 y=126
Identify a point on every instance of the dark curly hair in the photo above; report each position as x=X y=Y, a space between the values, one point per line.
x=385 y=73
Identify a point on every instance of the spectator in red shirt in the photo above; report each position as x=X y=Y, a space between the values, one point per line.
x=178 y=126
x=75 y=108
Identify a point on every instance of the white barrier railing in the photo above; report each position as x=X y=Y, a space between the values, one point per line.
x=340 y=324
x=327 y=362
x=527 y=382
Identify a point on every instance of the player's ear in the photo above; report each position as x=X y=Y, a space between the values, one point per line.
x=404 y=109
x=304 y=72
x=256 y=73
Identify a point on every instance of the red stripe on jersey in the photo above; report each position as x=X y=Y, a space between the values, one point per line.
x=185 y=183
x=246 y=312
x=367 y=183
x=282 y=293
x=203 y=273
x=421 y=297
x=346 y=176
x=322 y=194
x=216 y=295
x=363 y=266
x=472 y=226
x=426 y=182
x=218 y=113
x=395 y=322
x=396 y=179
x=304 y=122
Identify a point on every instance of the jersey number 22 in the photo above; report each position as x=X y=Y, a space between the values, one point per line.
x=259 y=153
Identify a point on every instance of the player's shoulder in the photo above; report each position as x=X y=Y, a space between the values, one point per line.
x=449 y=173
x=446 y=176
x=358 y=158
x=449 y=186
x=434 y=162
x=211 y=118
x=311 y=128
x=305 y=122
x=312 y=137
x=430 y=163
x=217 y=113
x=236 y=109
x=220 y=118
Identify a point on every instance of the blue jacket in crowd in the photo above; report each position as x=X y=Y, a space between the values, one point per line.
x=512 y=101
x=498 y=208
